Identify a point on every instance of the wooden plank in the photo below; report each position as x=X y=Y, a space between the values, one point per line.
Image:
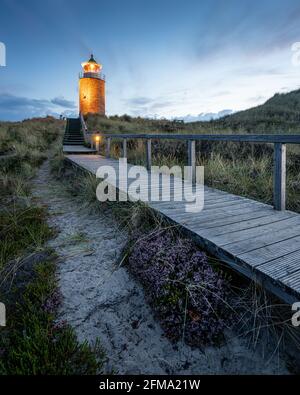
x=279 y=176
x=220 y=214
x=292 y=281
x=246 y=225
x=248 y=234
x=222 y=208
x=283 y=267
x=211 y=222
x=192 y=160
x=148 y=154
x=281 y=231
x=264 y=254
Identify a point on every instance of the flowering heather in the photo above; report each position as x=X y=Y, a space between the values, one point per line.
x=187 y=294
x=52 y=302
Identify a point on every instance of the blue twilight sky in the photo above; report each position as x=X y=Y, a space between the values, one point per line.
x=161 y=57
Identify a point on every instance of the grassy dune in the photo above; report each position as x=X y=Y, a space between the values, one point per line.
x=32 y=342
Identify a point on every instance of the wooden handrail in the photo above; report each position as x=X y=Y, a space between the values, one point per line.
x=279 y=141
x=84 y=128
x=253 y=138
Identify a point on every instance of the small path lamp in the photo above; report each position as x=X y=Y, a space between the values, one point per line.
x=97 y=142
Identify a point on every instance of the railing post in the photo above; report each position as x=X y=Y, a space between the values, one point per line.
x=192 y=160
x=148 y=154
x=279 y=176
x=124 y=148
x=108 y=139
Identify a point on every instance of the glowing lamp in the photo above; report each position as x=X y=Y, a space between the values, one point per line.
x=97 y=142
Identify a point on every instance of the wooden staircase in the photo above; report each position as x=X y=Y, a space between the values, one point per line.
x=73 y=134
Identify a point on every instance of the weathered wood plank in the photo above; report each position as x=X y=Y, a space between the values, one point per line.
x=279 y=176
x=292 y=281
x=283 y=267
x=148 y=154
x=248 y=234
x=281 y=231
x=232 y=212
x=264 y=254
x=246 y=225
x=211 y=222
x=192 y=160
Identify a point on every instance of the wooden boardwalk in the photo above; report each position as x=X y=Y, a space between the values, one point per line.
x=252 y=237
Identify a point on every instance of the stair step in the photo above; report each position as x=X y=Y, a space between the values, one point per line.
x=75 y=139
x=73 y=134
x=72 y=144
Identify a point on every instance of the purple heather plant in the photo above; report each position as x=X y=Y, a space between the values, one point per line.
x=187 y=294
x=52 y=303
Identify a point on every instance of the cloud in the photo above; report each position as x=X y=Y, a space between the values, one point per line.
x=62 y=102
x=237 y=28
x=257 y=99
x=18 y=107
x=139 y=101
x=146 y=106
x=258 y=71
x=206 y=116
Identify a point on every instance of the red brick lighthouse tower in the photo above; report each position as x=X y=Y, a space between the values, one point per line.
x=91 y=88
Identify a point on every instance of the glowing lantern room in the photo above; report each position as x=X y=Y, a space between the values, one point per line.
x=91 y=66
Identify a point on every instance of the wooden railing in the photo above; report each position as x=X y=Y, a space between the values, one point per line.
x=279 y=142
x=84 y=128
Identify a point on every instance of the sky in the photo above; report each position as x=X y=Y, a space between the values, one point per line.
x=161 y=58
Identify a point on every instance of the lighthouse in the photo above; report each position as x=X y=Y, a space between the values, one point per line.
x=91 y=88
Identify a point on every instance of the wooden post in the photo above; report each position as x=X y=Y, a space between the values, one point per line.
x=108 y=139
x=124 y=148
x=148 y=154
x=192 y=160
x=279 y=176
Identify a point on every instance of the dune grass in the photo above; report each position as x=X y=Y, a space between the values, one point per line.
x=33 y=341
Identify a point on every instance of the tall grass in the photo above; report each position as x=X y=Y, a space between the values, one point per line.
x=33 y=342
x=23 y=147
